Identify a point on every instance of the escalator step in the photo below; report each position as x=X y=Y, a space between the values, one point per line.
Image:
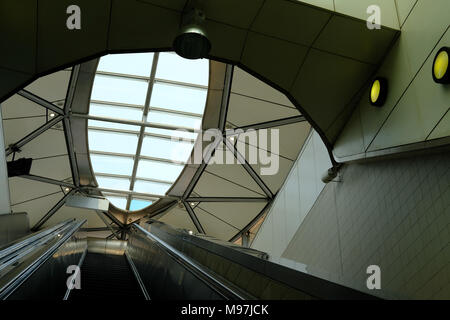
x=106 y=277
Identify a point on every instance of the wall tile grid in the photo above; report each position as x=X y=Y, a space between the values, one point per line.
x=391 y=213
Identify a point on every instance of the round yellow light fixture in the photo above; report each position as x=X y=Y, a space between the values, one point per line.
x=441 y=70
x=378 y=92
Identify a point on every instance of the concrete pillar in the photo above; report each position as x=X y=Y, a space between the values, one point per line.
x=5 y=206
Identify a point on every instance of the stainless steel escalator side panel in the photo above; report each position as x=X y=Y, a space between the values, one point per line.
x=258 y=277
x=165 y=277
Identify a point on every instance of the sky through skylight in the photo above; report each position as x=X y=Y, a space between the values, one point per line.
x=133 y=163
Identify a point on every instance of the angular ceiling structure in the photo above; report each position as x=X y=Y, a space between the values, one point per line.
x=315 y=59
x=219 y=199
x=319 y=55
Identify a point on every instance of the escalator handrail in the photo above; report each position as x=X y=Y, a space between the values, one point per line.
x=207 y=276
x=16 y=255
x=17 y=280
x=29 y=239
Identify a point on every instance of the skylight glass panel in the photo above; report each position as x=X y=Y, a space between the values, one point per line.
x=138 y=64
x=179 y=98
x=173 y=133
x=137 y=204
x=156 y=188
x=173 y=67
x=112 y=125
x=115 y=112
x=112 y=142
x=166 y=149
x=112 y=164
x=119 y=202
x=119 y=89
x=158 y=170
x=113 y=183
x=173 y=119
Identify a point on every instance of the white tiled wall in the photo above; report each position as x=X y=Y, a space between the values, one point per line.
x=295 y=199
x=390 y=213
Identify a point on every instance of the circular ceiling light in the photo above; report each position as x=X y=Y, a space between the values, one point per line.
x=441 y=71
x=192 y=42
x=378 y=92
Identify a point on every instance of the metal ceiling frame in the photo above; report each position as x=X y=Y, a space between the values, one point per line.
x=52 y=211
x=152 y=108
x=124 y=155
x=145 y=134
x=121 y=176
x=156 y=80
x=151 y=82
x=49 y=181
x=67 y=126
x=193 y=217
x=134 y=123
x=226 y=199
x=241 y=159
x=186 y=199
x=252 y=222
x=266 y=125
x=34 y=134
x=41 y=101
x=101 y=216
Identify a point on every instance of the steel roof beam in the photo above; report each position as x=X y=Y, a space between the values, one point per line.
x=251 y=223
x=48 y=180
x=194 y=217
x=67 y=125
x=101 y=216
x=134 y=123
x=226 y=199
x=241 y=159
x=33 y=135
x=52 y=211
x=40 y=101
x=142 y=129
x=267 y=124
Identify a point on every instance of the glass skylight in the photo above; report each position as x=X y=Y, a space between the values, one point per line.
x=135 y=163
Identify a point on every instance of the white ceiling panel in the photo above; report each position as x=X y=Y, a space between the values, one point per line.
x=215 y=227
x=36 y=209
x=24 y=189
x=244 y=110
x=17 y=106
x=236 y=214
x=178 y=218
x=246 y=84
x=52 y=87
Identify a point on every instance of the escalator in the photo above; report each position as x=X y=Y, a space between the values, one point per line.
x=156 y=262
x=106 y=276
